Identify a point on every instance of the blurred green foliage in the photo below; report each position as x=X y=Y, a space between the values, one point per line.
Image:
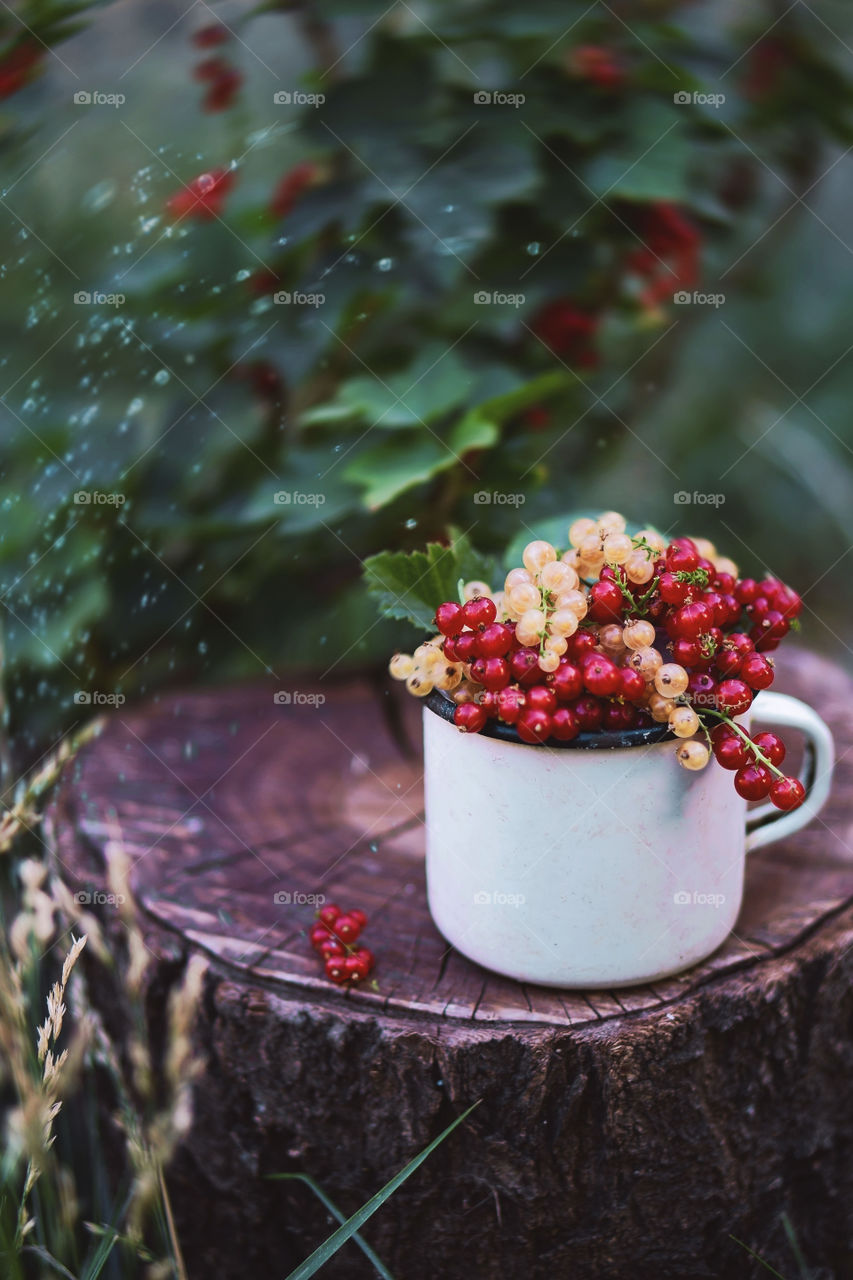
x=261 y=449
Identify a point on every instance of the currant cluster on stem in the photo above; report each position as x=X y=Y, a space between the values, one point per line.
x=334 y=936
x=617 y=632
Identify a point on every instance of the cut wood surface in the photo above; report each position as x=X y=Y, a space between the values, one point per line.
x=726 y=1087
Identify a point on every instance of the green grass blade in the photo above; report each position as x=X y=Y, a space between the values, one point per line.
x=321 y=1256
x=758 y=1258
x=380 y=1267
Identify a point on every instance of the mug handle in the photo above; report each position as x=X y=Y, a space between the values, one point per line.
x=767 y=823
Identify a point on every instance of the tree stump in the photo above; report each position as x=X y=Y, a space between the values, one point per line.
x=662 y=1131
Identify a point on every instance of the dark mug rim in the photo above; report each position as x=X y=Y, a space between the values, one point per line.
x=444 y=708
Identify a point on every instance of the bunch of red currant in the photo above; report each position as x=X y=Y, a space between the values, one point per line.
x=618 y=632
x=334 y=936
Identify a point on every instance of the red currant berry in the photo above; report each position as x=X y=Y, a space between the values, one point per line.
x=495 y=674
x=318 y=935
x=701 y=690
x=565 y=724
x=724 y=583
x=478 y=669
x=533 y=726
x=686 y=652
x=524 y=666
x=728 y=661
x=449 y=649
x=495 y=641
x=488 y=700
x=692 y=620
x=331 y=947
x=633 y=684
x=618 y=716
x=470 y=717
x=329 y=913
x=346 y=928
x=731 y=753
x=466 y=646
x=479 y=612
x=356 y=968
x=756 y=671
x=589 y=712
x=682 y=558
x=787 y=793
x=580 y=643
x=738 y=640
x=734 y=696
x=510 y=705
x=541 y=698
x=606 y=602
x=788 y=602
x=359 y=917
x=336 y=969
x=673 y=590
x=449 y=619
x=367 y=956
x=752 y=781
x=567 y=682
x=771 y=745
x=746 y=591
x=602 y=677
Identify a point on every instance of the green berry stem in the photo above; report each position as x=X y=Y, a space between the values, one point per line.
x=756 y=751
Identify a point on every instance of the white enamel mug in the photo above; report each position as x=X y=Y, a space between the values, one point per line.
x=596 y=863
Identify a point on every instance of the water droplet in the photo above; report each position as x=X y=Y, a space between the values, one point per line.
x=135 y=405
x=534 y=248
x=161 y=377
x=411 y=523
x=99 y=196
x=384 y=264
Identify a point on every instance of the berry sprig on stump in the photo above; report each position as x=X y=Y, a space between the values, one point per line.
x=334 y=936
x=618 y=632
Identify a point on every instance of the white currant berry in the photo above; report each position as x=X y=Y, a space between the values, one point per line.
x=671 y=680
x=563 y=622
x=692 y=754
x=580 y=530
x=617 y=548
x=556 y=644
x=515 y=577
x=591 y=551
x=705 y=547
x=684 y=722
x=646 y=661
x=449 y=676
x=610 y=522
x=639 y=634
x=660 y=708
x=549 y=662
x=575 y=600
x=610 y=637
x=530 y=626
x=418 y=684
x=401 y=666
x=537 y=554
x=558 y=576
x=724 y=565
x=655 y=540
x=524 y=596
x=472 y=589
x=639 y=568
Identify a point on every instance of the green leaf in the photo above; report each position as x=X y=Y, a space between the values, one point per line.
x=386 y=470
x=329 y=1247
x=333 y=1209
x=433 y=384
x=413 y=584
